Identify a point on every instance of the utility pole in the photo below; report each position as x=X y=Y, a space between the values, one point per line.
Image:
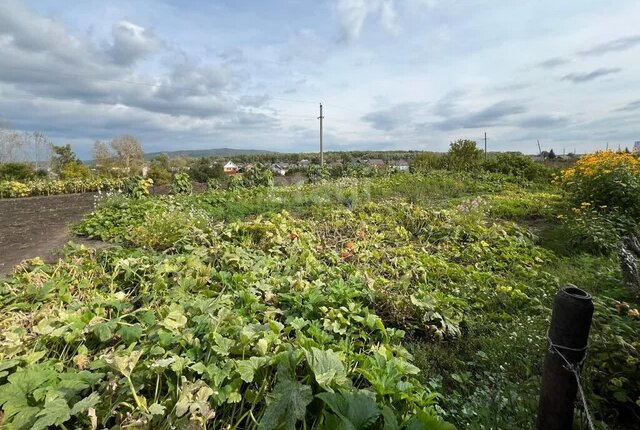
x=485 y=145
x=321 y=150
x=539 y=149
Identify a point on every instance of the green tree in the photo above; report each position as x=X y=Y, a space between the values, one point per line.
x=61 y=157
x=464 y=155
x=203 y=169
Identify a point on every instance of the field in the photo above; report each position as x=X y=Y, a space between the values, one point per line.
x=415 y=301
x=37 y=226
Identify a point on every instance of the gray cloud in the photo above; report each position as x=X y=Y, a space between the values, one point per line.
x=132 y=43
x=492 y=115
x=631 y=106
x=543 y=121
x=621 y=44
x=577 y=78
x=43 y=60
x=553 y=62
x=389 y=119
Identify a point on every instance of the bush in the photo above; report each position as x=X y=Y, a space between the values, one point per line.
x=463 y=156
x=138 y=187
x=75 y=170
x=427 y=161
x=516 y=164
x=181 y=184
x=604 y=190
x=203 y=169
x=16 y=172
x=607 y=180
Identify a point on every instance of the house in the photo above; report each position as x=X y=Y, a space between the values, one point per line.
x=375 y=162
x=636 y=147
x=230 y=168
x=304 y=163
x=401 y=165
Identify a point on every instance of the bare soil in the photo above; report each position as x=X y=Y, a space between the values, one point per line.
x=38 y=226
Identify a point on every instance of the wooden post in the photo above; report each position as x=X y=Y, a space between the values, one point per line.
x=568 y=336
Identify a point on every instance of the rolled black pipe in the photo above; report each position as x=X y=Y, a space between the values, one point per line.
x=569 y=332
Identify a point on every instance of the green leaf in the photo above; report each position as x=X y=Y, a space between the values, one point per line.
x=175 y=320
x=356 y=410
x=130 y=333
x=248 y=368
x=423 y=421
x=327 y=368
x=157 y=409
x=287 y=403
x=88 y=402
x=102 y=331
x=55 y=412
x=390 y=420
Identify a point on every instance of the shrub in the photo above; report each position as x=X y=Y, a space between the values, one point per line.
x=204 y=169
x=607 y=180
x=516 y=164
x=16 y=171
x=75 y=170
x=464 y=156
x=138 y=187
x=181 y=184
x=428 y=161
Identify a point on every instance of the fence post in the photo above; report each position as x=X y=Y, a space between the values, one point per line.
x=567 y=336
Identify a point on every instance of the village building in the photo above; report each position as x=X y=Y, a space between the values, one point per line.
x=230 y=168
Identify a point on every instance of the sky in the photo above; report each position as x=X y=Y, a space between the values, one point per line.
x=391 y=74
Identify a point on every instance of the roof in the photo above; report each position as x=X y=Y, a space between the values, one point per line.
x=400 y=163
x=375 y=162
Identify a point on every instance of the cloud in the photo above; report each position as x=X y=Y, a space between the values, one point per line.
x=543 y=121
x=132 y=43
x=553 y=62
x=352 y=15
x=492 y=115
x=621 y=44
x=389 y=119
x=44 y=60
x=577 y=78
x=631 y=106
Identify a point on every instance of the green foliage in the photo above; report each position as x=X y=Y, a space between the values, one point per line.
x=596 y=231
x=224 y=310
x=181 y=184
x=256 y=176
x=159 y=170
x=427 y=161
x=517 y=164
x=204 y=169
x=464 y=156
x=61 y=157
x=137 y=186
x=316 y=173
x=9 y=189
x=75 y=170
x=16 y=171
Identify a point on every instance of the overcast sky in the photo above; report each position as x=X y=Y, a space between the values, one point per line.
x=392 y=74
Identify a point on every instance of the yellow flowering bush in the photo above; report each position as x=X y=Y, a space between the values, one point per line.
x=605 y=180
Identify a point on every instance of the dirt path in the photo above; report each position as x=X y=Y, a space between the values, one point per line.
x=38 y=226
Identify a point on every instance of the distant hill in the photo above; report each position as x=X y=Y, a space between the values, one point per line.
x=214 y=152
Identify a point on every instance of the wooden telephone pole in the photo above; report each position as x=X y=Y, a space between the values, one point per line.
x=321 y=149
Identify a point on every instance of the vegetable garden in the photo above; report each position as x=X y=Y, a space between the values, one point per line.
x=414 y=301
